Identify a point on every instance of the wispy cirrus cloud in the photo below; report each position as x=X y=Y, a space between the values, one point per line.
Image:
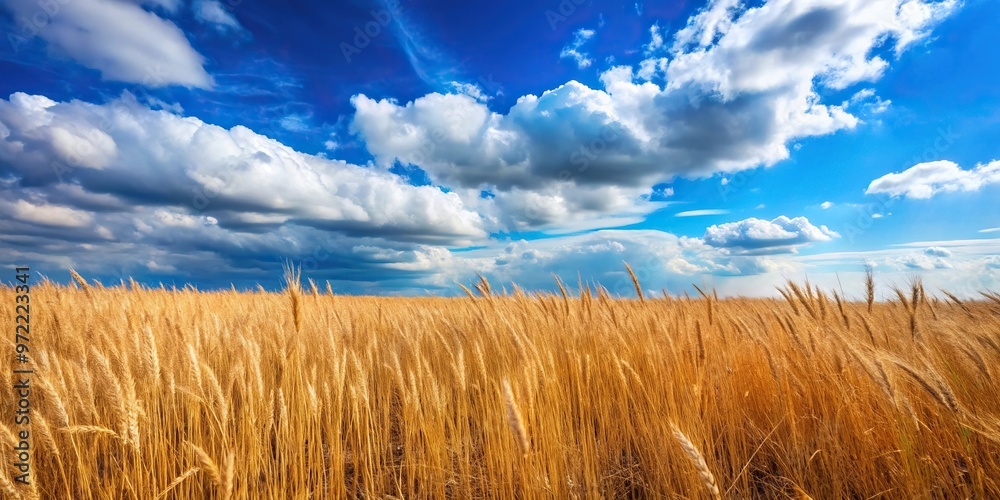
x=702 y=212
x=213 y=13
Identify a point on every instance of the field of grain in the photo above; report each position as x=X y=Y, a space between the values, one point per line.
x=151 y=393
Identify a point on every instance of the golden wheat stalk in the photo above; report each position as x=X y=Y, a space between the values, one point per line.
x=177 y=481
x=90 y=429
x=79 y=279
x=7 y=486
x=707 y=478
x=945 y=398
x=229 y=478
x=869 y=286
x=514 y=418
x=635 y=282
x=207 y=464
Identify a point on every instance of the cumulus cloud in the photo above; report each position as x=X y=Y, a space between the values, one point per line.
x=760 y=236
x=572 y=50
x=120 y=39
x=737 y=86
x=937 y=252
x=124 y=154
x=925 y=180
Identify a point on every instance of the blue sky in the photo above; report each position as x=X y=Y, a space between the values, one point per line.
x=399 y=147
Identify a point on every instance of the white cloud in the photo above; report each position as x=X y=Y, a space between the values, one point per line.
x=826 y=205
x=862 y=95
x=740 y=85
x=46 y=214
x=916 y=261
x=867 y=99
x=706 y=27
x=120 y=39
x=572 y=50
x=170 y=6
x=656 y=41
x=663 y=260
x=784 y=42
x=565 y=206
x=213 y=13
x=651 y=68
x=937 y=252
x=990 y=230
x=659 y=259
x=915 y=18
x=925 y=180
x=698 y=213
x=472 y=90
x=296 y=122
x=760 y=236
x=123 y=154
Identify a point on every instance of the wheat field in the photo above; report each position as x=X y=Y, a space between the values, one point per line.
x=157 y=393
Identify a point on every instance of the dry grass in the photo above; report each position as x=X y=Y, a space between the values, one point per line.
x=149 y=393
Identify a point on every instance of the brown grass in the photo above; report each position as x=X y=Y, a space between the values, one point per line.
x=157 y=393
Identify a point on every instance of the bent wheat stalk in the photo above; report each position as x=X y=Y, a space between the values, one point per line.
x=699 y=462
